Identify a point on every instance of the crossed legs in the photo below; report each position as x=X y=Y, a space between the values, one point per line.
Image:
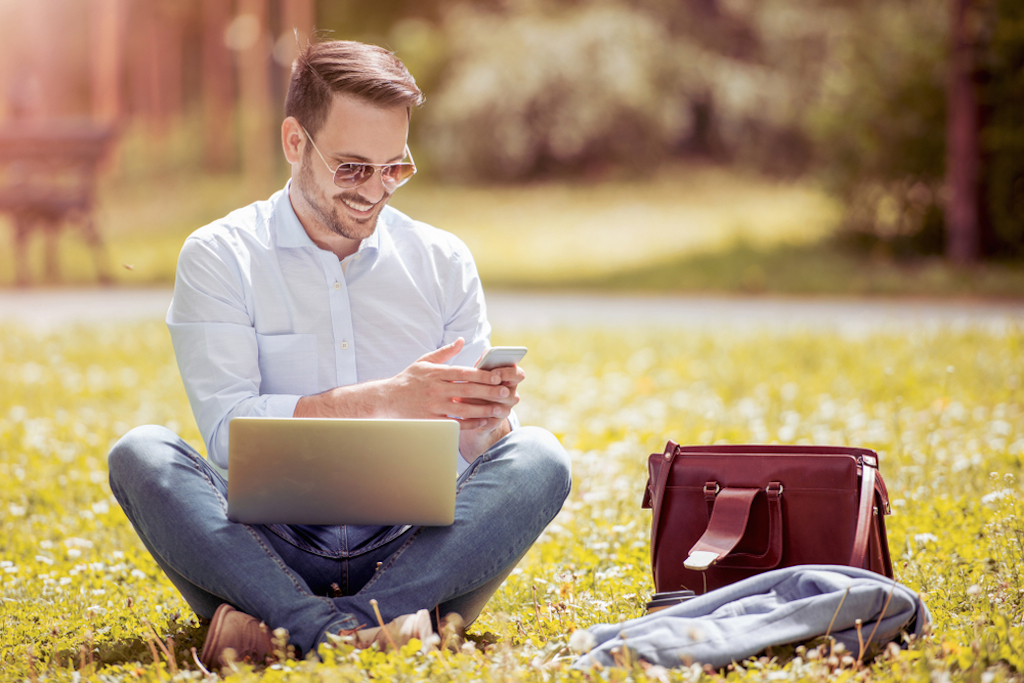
x=177 y=503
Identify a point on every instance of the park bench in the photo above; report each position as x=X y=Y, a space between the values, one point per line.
x=47 y=182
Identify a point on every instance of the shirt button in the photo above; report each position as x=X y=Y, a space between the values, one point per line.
x=337 y=285
x=344 y=345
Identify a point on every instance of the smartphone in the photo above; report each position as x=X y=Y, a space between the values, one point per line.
x=501 y=356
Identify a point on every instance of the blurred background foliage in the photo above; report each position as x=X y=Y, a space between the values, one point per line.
x=853 y=94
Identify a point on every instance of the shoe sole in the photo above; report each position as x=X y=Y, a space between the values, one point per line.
x=212 y=648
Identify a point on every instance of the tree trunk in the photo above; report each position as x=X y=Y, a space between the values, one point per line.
x=962 y=144
x=298 y=20
x=217 y=88
x=108 y=20
x=254 y=69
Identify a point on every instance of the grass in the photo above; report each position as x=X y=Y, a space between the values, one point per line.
x=688 y=228
x=82 y=600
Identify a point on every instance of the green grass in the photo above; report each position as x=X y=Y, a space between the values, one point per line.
x=945 y=410
x=688 y=228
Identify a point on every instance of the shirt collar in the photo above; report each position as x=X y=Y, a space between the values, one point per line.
x=290 y=232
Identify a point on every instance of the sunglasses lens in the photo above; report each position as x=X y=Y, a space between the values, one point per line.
x=352 y=175
x=396 y=174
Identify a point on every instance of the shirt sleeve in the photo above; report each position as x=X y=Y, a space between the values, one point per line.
x=468 y=319
x=215 y=344
x=466 y=309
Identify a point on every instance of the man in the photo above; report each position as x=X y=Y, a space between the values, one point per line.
x=323 y=301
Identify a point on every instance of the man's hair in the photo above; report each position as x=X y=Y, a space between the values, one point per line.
x=346 y=67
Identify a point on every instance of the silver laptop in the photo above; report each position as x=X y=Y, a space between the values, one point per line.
x=342 y=471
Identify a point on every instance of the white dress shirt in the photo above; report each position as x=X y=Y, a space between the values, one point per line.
x=261 y=316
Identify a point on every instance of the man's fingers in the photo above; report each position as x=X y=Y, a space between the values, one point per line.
x=445 y=353
x=480 y=423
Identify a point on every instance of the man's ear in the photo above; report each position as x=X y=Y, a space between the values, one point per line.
x=292 y=139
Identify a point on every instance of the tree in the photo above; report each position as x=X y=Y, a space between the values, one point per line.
x=963 y=150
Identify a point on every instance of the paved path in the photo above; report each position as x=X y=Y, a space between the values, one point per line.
x=43 y=309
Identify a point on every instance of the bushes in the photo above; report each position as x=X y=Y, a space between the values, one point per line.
x=531 y=92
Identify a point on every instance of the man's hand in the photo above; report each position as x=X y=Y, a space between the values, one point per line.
x=480 y=399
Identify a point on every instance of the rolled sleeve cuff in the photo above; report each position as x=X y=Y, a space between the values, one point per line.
x=276 y=405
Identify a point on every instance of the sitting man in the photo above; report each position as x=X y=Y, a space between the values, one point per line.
x=323 y=302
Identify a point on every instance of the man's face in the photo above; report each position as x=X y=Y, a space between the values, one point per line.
x=354 y=131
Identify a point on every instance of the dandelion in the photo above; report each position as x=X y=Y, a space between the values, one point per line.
x=582 y=641
x=997 y=496
x=974 y=591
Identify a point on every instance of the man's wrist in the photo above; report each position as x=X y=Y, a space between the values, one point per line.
x=353 y=401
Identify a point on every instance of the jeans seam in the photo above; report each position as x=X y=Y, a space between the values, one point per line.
x=391 y=561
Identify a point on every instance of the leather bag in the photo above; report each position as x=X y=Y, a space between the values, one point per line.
x=723 y=513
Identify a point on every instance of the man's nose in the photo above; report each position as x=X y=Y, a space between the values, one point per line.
x=373 y=190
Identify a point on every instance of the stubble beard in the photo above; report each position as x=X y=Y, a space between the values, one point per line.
x=326 y=208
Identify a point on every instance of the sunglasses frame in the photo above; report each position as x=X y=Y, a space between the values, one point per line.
x=389 y=185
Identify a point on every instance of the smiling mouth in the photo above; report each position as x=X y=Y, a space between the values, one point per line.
x=361 y=207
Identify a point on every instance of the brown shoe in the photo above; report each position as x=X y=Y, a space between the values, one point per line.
x=248 y=637
x=397 y=632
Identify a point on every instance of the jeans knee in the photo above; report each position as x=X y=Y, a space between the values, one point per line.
x=136 y=452
x=546 y=460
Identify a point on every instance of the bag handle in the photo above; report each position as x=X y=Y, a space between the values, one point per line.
x=728 y=524
x=660 y=467
x=861 y=540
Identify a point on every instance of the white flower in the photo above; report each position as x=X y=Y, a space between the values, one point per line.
x=657 y=673
x=974 y=591
x=925 y=538
x=582 y=641
x=996 y=495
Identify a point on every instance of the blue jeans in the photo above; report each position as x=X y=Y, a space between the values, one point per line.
x=314 y=580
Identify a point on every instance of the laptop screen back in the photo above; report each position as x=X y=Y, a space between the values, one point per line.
x=342 y=471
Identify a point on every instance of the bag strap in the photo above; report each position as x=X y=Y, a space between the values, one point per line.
x=654 y=495
x=859 y=557
x=728 y=524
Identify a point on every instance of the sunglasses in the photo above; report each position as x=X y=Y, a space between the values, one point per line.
x=352 y=174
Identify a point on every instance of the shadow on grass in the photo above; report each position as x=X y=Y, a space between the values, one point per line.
x=141 y=650
x=822 y=268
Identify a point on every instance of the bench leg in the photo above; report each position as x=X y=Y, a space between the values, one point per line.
x=22 y=227
x=51 y=255
x=99 y=252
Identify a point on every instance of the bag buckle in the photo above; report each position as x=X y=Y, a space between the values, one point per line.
x=700 y=560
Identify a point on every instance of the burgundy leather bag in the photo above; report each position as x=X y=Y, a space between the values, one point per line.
x=723 y=513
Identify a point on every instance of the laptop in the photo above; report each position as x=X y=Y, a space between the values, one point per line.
x=342 y=471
